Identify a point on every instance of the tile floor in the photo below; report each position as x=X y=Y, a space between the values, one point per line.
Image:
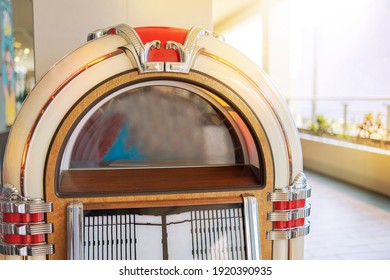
x=347 y=222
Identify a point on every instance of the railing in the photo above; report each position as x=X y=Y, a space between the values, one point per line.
x=346 y=112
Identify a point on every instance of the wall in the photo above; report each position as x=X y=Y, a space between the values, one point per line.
x=359 y=165
x=62 y=26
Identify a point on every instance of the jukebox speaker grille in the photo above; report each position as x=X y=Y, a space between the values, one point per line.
x=198 y=232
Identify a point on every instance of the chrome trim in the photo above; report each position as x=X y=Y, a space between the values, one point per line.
x=25 y=229
x=11 y=201
x=300 y=181
x=138 y=53
x=288 y=215
x=251 y=222
x=289 y=233
x=9 y=192
x=187 y=52
x=96 y=34
x=26 y=250
x=299 y=189
x=288 y=195
x=26 y=207
x=75 y=230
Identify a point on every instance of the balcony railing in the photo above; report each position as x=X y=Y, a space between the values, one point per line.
x=345 y=116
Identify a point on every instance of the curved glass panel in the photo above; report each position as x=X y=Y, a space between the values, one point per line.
x=154 y=126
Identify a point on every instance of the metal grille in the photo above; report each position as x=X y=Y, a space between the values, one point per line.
x=109 y=237
x=217 y=235
x=199 y=233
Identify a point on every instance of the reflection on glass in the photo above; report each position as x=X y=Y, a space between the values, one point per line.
x=156 y=126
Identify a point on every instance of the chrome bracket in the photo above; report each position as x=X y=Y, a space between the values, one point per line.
x=138 y=53
x=25 y=229
x=26 y=250
x=12 y=202
x=26 y=207
x=289 y=215
x=299 y=189
x=187 y=52
x=289 y=233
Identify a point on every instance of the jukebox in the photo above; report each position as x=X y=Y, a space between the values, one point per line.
x=153 y=143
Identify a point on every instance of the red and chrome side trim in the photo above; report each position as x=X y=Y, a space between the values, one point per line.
x=290 y=210
x=22 y=224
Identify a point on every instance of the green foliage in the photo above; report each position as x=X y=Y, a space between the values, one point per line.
x=321 y=125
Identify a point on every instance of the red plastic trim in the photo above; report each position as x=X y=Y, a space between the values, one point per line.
x=289 y=224
x=288 y=205
x=23 y=218
x=24 y=239
x=285 y=205
x=163 y=34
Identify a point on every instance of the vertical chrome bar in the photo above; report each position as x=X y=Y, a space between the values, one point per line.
x=215 y=240
x=202 y=235
x=105 y=239
x=95 y=237
x=241 y=234
x=234 y=234
x=252 y=236
x=75 y=231
x=128 y=236
x=86 y=238
x=100 y=234
x=224 y=235
x=123 y=239
x=109 y=237
x=134 y=238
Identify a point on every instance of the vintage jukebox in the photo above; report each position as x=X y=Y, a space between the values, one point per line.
x=153 y=143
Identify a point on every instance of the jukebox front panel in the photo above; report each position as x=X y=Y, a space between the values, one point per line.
x=152 y=174
x=160 y=133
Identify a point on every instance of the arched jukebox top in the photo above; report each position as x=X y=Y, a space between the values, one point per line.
x=149 y=133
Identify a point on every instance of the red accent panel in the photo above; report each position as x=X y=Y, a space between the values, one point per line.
x=283 y=205
x=300 y=203
x=289 y=224
x=23 y=218
x=12 y=238
x=298 y=222
x=11 y=217
x=280 y=224
x=163 y=34
x=23 y=239
x=111 y=31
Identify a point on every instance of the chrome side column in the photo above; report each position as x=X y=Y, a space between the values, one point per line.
x=75 y=231
x=252 y=235
x=23 y=226
x=289 y=218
